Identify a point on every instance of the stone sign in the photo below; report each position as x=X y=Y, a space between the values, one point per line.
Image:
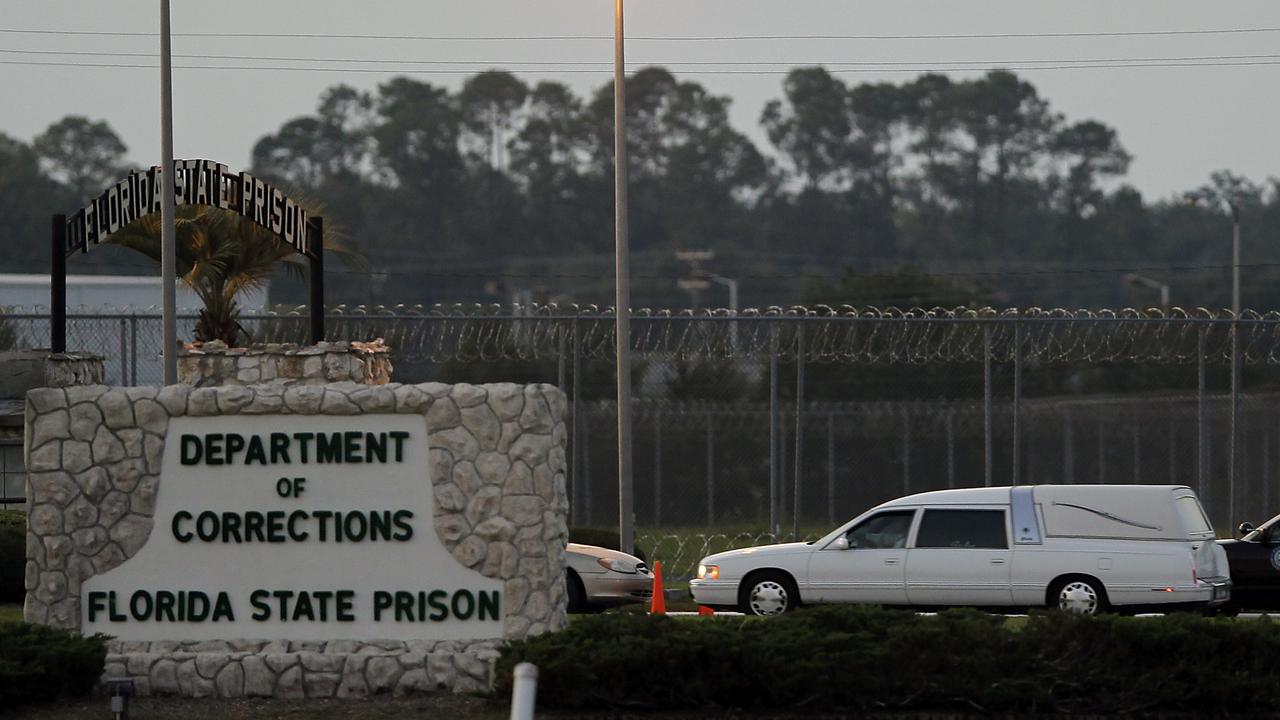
x=273 y=540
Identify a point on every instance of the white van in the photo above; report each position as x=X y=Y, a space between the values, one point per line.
x=1083 y=548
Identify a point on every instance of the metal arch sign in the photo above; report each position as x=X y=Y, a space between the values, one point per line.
x=196 y=182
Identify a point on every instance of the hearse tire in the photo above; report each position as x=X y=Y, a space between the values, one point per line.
x=767 y=593
x=1079 y=594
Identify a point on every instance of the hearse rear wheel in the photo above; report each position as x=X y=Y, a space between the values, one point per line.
x=1078 y=594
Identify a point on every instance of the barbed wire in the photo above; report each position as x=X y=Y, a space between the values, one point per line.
x=843 y=334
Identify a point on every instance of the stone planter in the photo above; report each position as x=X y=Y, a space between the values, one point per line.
x=215 y=364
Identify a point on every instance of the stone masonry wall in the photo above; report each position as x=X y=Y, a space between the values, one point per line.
x=497 y=466
x=21 y=370
x=326 y=362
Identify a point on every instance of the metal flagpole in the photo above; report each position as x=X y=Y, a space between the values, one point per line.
x=168 y=241
x=622 y=303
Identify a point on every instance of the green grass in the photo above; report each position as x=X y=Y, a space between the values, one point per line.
x=10 y=613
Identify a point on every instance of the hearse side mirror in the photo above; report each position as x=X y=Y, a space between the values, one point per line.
x=841 y=543
x=1245 y=528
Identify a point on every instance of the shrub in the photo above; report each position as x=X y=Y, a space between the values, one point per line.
x=600 y=537
x=39 y=663
x=857 y=658
x=13 y=555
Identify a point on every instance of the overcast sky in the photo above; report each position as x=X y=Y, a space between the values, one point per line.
x=1180 y=123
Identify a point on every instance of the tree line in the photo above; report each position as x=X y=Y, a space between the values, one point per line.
x=929 y=191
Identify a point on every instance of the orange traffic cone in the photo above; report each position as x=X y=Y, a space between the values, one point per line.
x=659 y=606
x=704 y=610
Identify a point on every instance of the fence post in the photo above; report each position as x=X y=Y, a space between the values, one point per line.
x=831 y=468
x=711 y=469
x=1137 y=454
x=986 y=404
x=657 y=466
x=774 y=515
x=1266 y=468
x=58 y=285
x=133 y=343
x=1102 y=449
x=951 y=447
x=560 y=359
x=124 y=350
x=575 y=484
x=1068 y=450
x=906 y=451
x=1017 y=402
x=1202 y=427
x=585 y=483
x=1173 y=445
x=797 y=475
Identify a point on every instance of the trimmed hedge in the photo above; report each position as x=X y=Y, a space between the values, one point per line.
x=13 y=555
x=38 y=663
x=858 y=658
x=599 y=537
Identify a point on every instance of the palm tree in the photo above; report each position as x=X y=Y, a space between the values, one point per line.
x=220 y=254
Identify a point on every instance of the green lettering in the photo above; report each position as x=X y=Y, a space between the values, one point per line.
x=404 y=606
x=261 y=610
x=279 y=448
x=235 y=443
x=191 y=449
x=222 y=608
x=164 y=607
x=441 y=611
x=178 y=534
x=97 y=603
x=401 y=519
x=303 y=607
x=380 y=525
x=207 y=526
x=255 y=452
x=197 y=606
x=328 y=448
x=488 y=604
x=375 y=445
x=399 y=436
x=351 y=446
x=140 y=605
x=463 y=612
x=295 y=534
x=346 y=600
x=230 y=527
x=253 y=522
x=381 y=601
x=275 y=526
x=303 y=438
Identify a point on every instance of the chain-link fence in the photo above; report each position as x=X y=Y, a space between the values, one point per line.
x=786 y=421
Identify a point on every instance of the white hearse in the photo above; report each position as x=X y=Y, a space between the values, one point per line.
x=1083 y=548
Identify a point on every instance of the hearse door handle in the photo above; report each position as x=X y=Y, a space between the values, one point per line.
x=997 y=561
x=891 y=561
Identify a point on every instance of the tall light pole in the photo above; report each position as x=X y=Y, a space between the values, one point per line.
x=1235 y=355
x=168 y=240
x=622 y=301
